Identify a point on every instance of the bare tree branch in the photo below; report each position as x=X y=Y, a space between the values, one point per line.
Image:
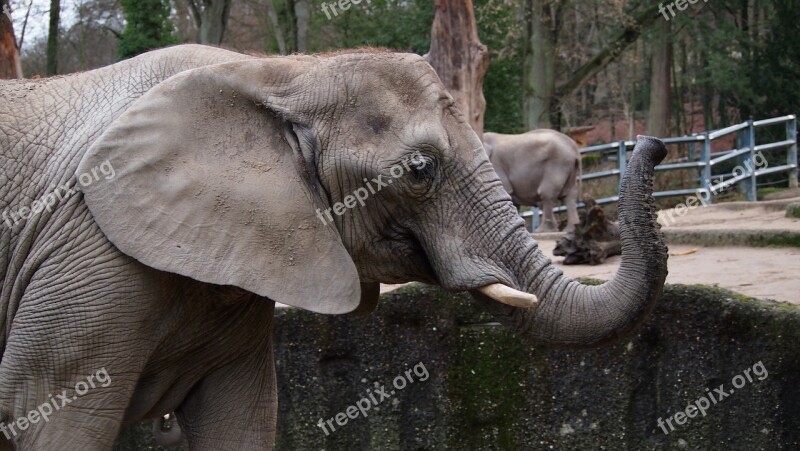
x=273 y=18
x=195 y=10
x=24 y=26
x=113 y=31
x=629 y=34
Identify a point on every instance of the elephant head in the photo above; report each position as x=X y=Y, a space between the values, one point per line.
x=254 y=173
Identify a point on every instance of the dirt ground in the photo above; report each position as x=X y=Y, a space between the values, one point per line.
x=733 y=216
x=767 y=273
x=763 y=272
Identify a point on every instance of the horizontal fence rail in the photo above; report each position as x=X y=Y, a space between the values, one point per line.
x=745 y=151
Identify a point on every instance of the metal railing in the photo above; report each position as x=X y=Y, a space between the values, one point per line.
x=746 y=150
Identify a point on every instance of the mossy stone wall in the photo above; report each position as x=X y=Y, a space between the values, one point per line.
x=488 y=389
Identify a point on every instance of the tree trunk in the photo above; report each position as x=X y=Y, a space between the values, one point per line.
x=302 y=12
x=459 y=58
x=661 y=64
x=594 y=239
x=540 y=63
x=52 y=38
x=185 y=20
x=276 y=26
x=213 y=21
x=543 y=97
x=10 y=66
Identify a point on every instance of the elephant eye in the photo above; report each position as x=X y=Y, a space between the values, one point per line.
x=423 y=168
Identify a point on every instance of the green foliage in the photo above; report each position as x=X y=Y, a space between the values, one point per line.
x=754 y=68
x=500 y=30
x=147 y=27
x=394 y=24
x=405 y=26
x=775 y=68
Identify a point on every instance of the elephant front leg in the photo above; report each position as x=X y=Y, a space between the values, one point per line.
x=89 y=424
x=44 y=409
x=71 y=365
x=235 y=407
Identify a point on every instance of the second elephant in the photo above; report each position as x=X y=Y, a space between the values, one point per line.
x=538 y=168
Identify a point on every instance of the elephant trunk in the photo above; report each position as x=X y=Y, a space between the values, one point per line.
x=575 y=315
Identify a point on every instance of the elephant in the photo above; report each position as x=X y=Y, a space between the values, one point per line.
x=538 y=168
x=196 y=187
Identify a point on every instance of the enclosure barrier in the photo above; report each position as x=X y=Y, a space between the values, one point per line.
x=746 y=150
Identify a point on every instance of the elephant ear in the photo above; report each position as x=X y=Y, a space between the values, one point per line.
x=211 y=182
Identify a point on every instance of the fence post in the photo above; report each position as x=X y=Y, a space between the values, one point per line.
x=534 y=219
x=622 y=162
x=705 y=157
x=745 y=139
x=791 y=133
x=750 y=184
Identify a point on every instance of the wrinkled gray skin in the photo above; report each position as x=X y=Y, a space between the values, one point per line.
x=538 y=168
x=223 y=166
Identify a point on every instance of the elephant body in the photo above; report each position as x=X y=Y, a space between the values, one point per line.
x=189 y=184
x=538 y=168
x=71 y=296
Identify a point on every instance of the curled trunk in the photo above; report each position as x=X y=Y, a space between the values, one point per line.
x=572 y=314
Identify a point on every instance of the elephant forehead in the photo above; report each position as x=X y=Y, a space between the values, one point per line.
x=404 y=79
x=387 y=120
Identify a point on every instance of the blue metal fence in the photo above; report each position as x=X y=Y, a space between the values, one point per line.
x=746 y=150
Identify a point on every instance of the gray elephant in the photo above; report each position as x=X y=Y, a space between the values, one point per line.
x=538 y=168
x=196 y=187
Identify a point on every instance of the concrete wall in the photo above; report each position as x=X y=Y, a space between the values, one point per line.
x=489 y=389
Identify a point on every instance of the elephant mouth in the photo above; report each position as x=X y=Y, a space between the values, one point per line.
x=497 y=291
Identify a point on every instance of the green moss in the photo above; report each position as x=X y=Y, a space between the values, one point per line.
x=590 y=281
x=761 y=192
x=782 y=240
x=590 y=159
x=750 y=238
x=793 y=210
x=785 y=306
x=485 y=391
x=714 y=294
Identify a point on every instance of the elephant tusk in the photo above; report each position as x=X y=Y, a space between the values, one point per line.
x=507 y=295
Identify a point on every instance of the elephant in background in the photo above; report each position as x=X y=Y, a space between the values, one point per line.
x=538 y=168
x=230 y=182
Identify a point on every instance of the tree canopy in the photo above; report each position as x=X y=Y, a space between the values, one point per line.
x=147 y=27
x=557 y=63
